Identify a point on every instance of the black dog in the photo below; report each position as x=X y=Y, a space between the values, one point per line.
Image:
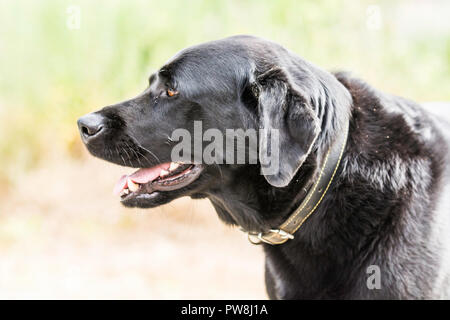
x=378 y=205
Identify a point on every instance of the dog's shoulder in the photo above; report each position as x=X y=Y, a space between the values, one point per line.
x=400 y=150
x=412 y=119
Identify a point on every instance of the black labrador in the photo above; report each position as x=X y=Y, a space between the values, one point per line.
x=374 y=168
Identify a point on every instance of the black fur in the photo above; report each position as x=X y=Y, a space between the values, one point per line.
x=384 y=207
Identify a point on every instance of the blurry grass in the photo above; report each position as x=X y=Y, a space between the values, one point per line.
x=51 y=74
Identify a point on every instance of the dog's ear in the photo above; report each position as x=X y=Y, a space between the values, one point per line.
x=288 y=127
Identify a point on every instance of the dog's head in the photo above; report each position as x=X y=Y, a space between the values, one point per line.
x=211 y=90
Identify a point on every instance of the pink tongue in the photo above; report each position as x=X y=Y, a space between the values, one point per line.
x=141 y=176
x=149 y=174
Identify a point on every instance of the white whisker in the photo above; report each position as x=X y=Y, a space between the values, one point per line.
x=118 y=152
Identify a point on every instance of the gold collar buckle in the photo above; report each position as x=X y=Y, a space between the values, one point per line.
x=258 y=238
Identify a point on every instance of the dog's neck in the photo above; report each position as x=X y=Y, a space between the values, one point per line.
x=327 y=172
x=334 y=116
x=272 y=206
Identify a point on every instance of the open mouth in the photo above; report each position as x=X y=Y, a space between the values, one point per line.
x=163 y=177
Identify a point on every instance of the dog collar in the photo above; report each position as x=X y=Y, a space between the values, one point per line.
x=312 y=200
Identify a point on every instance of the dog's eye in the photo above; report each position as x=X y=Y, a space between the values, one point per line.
x=171 y=92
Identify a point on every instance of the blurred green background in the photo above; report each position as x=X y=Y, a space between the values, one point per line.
x=52 y=71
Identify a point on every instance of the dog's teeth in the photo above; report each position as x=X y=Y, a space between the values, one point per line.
x=124 y=192
x=163 y=173
x=173 y=166
x=132 y=186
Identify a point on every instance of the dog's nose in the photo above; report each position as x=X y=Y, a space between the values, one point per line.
x=91 y=126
